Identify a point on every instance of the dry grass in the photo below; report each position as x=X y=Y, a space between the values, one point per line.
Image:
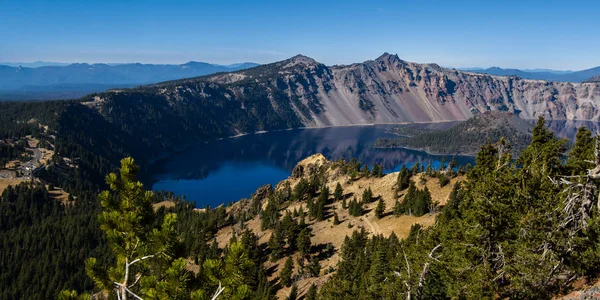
x=46 y=156
x=60 y=195
x=4 y=183
x=165 y=204
x=11 y=164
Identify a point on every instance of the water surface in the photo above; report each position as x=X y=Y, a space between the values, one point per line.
x=227 y=170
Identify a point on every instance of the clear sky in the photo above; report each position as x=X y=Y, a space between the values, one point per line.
x=484 y=33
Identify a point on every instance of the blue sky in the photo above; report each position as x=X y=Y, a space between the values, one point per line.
x=519 y=34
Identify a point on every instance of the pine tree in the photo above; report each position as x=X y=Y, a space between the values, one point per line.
x=301 y=189
x=398 y=209
x=403 y=178
x=355 y=208
x=453 y=163
x=286 y=272
x=380 y=209
x=293 y=295
x=145 y=264
x=582 y=155
x=312 y=209
x=276 y=244
x=344 y=203
x=339 y=192
x=312 y=293
x=304 y=242
x=336 y=220
x=315 y=266
x=367 y=196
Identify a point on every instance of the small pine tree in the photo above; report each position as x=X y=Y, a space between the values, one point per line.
x=367 y=196
x=380 y=209
x=315 y=266
x=403 y=178
x=398 y=210
x=365 y=172
x=339 y=192
x=344 y=203
x=336 y=220
x=303 y=242
x=312 y=293
x=293 y=293
x=276 y=244
x=286 y=273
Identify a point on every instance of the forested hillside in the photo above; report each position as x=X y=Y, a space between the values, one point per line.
x=465 y=138
x=524 y=228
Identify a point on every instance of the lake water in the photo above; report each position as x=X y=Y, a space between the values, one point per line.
x=227 y=170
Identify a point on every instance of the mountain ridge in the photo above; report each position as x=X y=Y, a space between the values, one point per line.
x=539 y=74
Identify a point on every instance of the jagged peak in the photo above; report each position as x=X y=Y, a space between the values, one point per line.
x=386 y=57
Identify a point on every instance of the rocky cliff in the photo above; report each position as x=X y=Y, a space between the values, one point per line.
x=388 y=90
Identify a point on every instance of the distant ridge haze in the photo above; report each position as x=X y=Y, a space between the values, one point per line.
x=540 y=74
x=45 y=82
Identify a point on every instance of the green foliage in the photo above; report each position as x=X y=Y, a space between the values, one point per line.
x=582 y=155
x=293 y=295
x=338 y=193
x=44 y=244
x=355 y=208
x=367 y=195
x=312 y=293
x=270 y=215
x=315 y=266
x=140 y=249
x=301 y=189
x=443 y=179
x=416 y=202
x=286 y=273
x=377 y=171
x=336 y=220
x=319 y=213
x=403 y=178
x=304 y=242
x=277 y=244
x=504 y=233
x=380 y=209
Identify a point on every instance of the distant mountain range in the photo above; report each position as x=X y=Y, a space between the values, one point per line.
x=75 y=80
x=541 y=74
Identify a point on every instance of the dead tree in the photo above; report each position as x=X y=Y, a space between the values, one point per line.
x=582 y=194
x=422 y=276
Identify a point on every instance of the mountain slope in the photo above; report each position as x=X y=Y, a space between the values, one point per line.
x=390 y=90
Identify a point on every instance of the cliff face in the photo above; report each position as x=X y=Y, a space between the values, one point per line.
x=302 y=92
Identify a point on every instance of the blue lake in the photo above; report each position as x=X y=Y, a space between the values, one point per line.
x=230 y=169
x=227 y=170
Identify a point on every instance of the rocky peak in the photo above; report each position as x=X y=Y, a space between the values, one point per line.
x=300 y=60
x=389 y=58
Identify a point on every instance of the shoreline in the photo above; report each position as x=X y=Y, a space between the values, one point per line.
x=153 y=161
